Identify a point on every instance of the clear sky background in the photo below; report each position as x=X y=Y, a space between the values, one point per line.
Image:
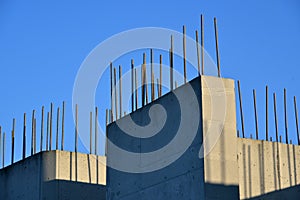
x=43 y=43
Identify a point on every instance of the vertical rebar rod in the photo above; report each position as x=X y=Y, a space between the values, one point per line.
x=217 y=46
x=143 y=79
x=13 y=141
x=47 y=135
x=152 y=72
x=146 y=85
x=202 y=45
x=176 y=86
x=76 y=127
x=132 y=85
x=136 y=89
x=120 y=89
x=57 y=128
x=198 y=52
x=171 y=64
x=275 y=116
x=24 y=137
x=3 y=150
x=157 y=83
x=111 y=90
x=32 y=131
x=42 y=129
x=96 y=131
x=296 y=119
x=255 y=114
x=153 y=91
x=63 y=127
x=50 y=127
x=160 y=74
x=285 y=118
x=241 y=109
x=280 y=138
x=91 y=131
x=115 y=93
x=267 y=117
x=184 y=54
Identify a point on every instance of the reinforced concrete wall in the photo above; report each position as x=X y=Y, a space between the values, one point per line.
x=220 y=142
x=268 y=170
x=191 y=176
x=182 y=179
x=54 y=175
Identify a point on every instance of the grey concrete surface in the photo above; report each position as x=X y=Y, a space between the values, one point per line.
x=267 y=169
x=54 y=175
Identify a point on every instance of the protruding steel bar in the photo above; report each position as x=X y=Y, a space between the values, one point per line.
x=143 y=79
x=238 y=133
x=24 y=137
x=13 y=141
x=152 y=76
x=296 y=120
x=96 y=131
x=184 y=54
x=271 y=139
x=57 y=128
x=32 y=132
x=63 y=127
x=120 y=89
x=285 y=118
x=275 y=116
x=241 y=109
x=255 y=114
x=136 y=89
x=146 y=85
x=280 y=138
x=153 y=91
x=160 y=75
x=132 y=85
x=267 y=117
x=202 y=45
x=42 y=130
x=47 y=135
x=111 y=90
x=176 y=85
x=91 y=131
x=34 y=138
x=291 y=141
x=76 y=127
x=198 y=52
x=217 y=47
x=115 y=93
x=50 y=127
x=171 y=64
x=3 y=150
x=157 y=83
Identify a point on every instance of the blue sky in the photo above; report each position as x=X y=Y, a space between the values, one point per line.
x=42 y=45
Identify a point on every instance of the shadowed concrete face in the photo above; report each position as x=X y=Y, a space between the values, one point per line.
x=55 y=175
x=186 y=177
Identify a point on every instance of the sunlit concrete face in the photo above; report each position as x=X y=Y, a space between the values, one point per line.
x=55 y=175
x=266 y=168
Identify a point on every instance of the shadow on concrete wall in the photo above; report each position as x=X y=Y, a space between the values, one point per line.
x=288 y=193
x=220 y=191
x=61 y=189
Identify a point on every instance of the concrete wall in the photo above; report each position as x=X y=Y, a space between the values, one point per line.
x=268 y=170
x=190 y=177
x=54 y=175
x=219 y=116
x=183 y=179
